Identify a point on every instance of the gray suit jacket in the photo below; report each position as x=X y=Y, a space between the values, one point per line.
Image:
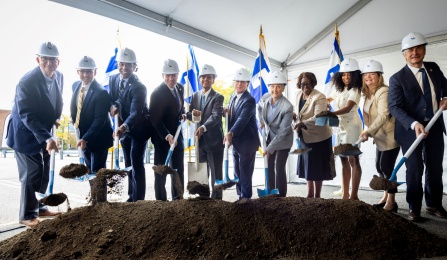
x=279 y=129
x=211 y=119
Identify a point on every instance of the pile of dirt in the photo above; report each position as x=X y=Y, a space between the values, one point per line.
x=266 y=228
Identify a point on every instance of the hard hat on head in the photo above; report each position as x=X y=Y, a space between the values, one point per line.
x=126 y=55
x=86 y=63
x=48 y=49
x=207 y=70
x=413 y=39
x=170 y=67
x=276 y=77
x=349 y=65
x=372 y=66
x=242 y=75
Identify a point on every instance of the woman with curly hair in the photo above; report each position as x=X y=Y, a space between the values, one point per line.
x=346 y=96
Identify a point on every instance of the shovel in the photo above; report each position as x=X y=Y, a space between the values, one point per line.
x=198 y=182
x=49 y=198
x=226 y=182
x=380 y=183
x=78 y=172
x=166 y=169
x=345 y=150
x=301 y=147
x=266 y=191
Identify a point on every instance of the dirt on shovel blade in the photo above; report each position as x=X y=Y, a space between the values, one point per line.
x=381 y=183
x=343 y=148
x=54 y=199
x=165 y=169
x=73 y=170
x=301 y=151
x=224 y=186
x=196 y=188
x=326 y=113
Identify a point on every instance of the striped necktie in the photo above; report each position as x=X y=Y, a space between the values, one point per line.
x=121 y=89
x=80 y=102
x=427 y=94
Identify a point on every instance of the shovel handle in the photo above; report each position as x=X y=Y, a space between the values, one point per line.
x=52 y=163
x=171 y=149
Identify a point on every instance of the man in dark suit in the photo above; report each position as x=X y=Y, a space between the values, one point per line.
x=416 y=92
x=209 y=105
x=128 y=98
x=166 y=110
x=37 y=107
x=90 y=116
x=243 y=133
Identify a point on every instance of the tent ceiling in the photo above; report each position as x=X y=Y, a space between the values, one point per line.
x=296 y=31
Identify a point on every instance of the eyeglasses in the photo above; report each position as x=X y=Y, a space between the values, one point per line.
x=306 y=84
x=49 y=59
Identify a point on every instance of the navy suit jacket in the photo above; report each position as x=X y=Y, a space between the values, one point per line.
x=406 y=100
x=33 y=115
x=165 y=113
x=243 y=124
x=132 y=107
x=211 y=119
x=94 y=124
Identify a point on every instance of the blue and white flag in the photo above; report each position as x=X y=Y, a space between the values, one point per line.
x=190 y=78
x=112 y=69
x=257 y=86
x=334 y=63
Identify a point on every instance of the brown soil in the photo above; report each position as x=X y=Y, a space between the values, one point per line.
x=381 y=183
x=267 y=228
x=106 y=179
x=326 y=113
x=164 y=169
x=196 y=188
x=224 y=186
x=54 y=199
x=343 y=148
x=301 y=151
x=73 y=170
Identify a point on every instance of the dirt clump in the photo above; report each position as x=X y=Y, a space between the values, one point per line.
x=301 y=150
x=381 y=183
x=267 y=228
x=73 y=170
x=326 y=114
x=106 y=181
x=165 y=169
x=54 y=199
x=196 y=188
x=345 y=148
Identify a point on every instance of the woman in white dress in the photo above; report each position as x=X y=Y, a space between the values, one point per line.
x=347 y=93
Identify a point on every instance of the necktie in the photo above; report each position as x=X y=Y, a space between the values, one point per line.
x=427 y=94
x=121 y=89
x=202 y=104
x=80 y=102
x=178 y=100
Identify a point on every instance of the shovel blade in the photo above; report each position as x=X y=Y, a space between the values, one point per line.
x=86 y=177
x=198 y=172
x=266 y=192
x=380 y=183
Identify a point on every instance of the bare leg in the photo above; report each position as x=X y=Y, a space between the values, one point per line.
x=356 y=176
x=346 y=177
x=310 y=189
x=390 y=202
x=384 y=198
x=318 y=185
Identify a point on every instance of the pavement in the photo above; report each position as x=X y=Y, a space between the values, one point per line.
x=77 y=193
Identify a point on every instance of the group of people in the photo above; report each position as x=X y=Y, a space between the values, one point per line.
x=394 y=117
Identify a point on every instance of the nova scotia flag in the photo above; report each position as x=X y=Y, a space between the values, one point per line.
x=257 y=86
x=191 y=75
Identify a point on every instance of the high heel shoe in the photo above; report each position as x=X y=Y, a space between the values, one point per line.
x=393 y=210
x=379 y=205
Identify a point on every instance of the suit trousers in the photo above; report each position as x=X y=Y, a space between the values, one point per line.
x=385 y=161
x=277 y=171
x=244 y=165
x=176 y=163
x=214 y=161
x=134 y=156
x=430 y=152
x=96 y=161
x=34 y=176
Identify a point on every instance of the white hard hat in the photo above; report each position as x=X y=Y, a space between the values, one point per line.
x=86 y=63
x=242 y=75
x=276 y=77
x=48 y=49
x=207 y=70
x=170 y=67
x=126 y=55
x=348 y=65
x=413 y=39
x=372 y=66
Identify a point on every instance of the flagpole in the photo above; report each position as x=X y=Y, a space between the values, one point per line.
x=187 y=107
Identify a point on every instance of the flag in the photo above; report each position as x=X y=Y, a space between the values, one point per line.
x=112 y=69
x=257 y=86
x=190 y=79
x=334 y=63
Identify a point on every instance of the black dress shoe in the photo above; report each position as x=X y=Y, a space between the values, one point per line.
x=438 y=212
x=414 y=216
x=393 y=210
x=379 y=205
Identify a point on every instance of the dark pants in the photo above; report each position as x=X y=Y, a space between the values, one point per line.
x=134 y=156
x=385 y=161
x=34 y=175
x=214 y=161
x=161 y=148
x=430 y=152
x=96 y=161
x=244 y=165
x=277 y=171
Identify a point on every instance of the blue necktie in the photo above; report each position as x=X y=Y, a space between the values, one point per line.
x=202 y=104
x=427 y=94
